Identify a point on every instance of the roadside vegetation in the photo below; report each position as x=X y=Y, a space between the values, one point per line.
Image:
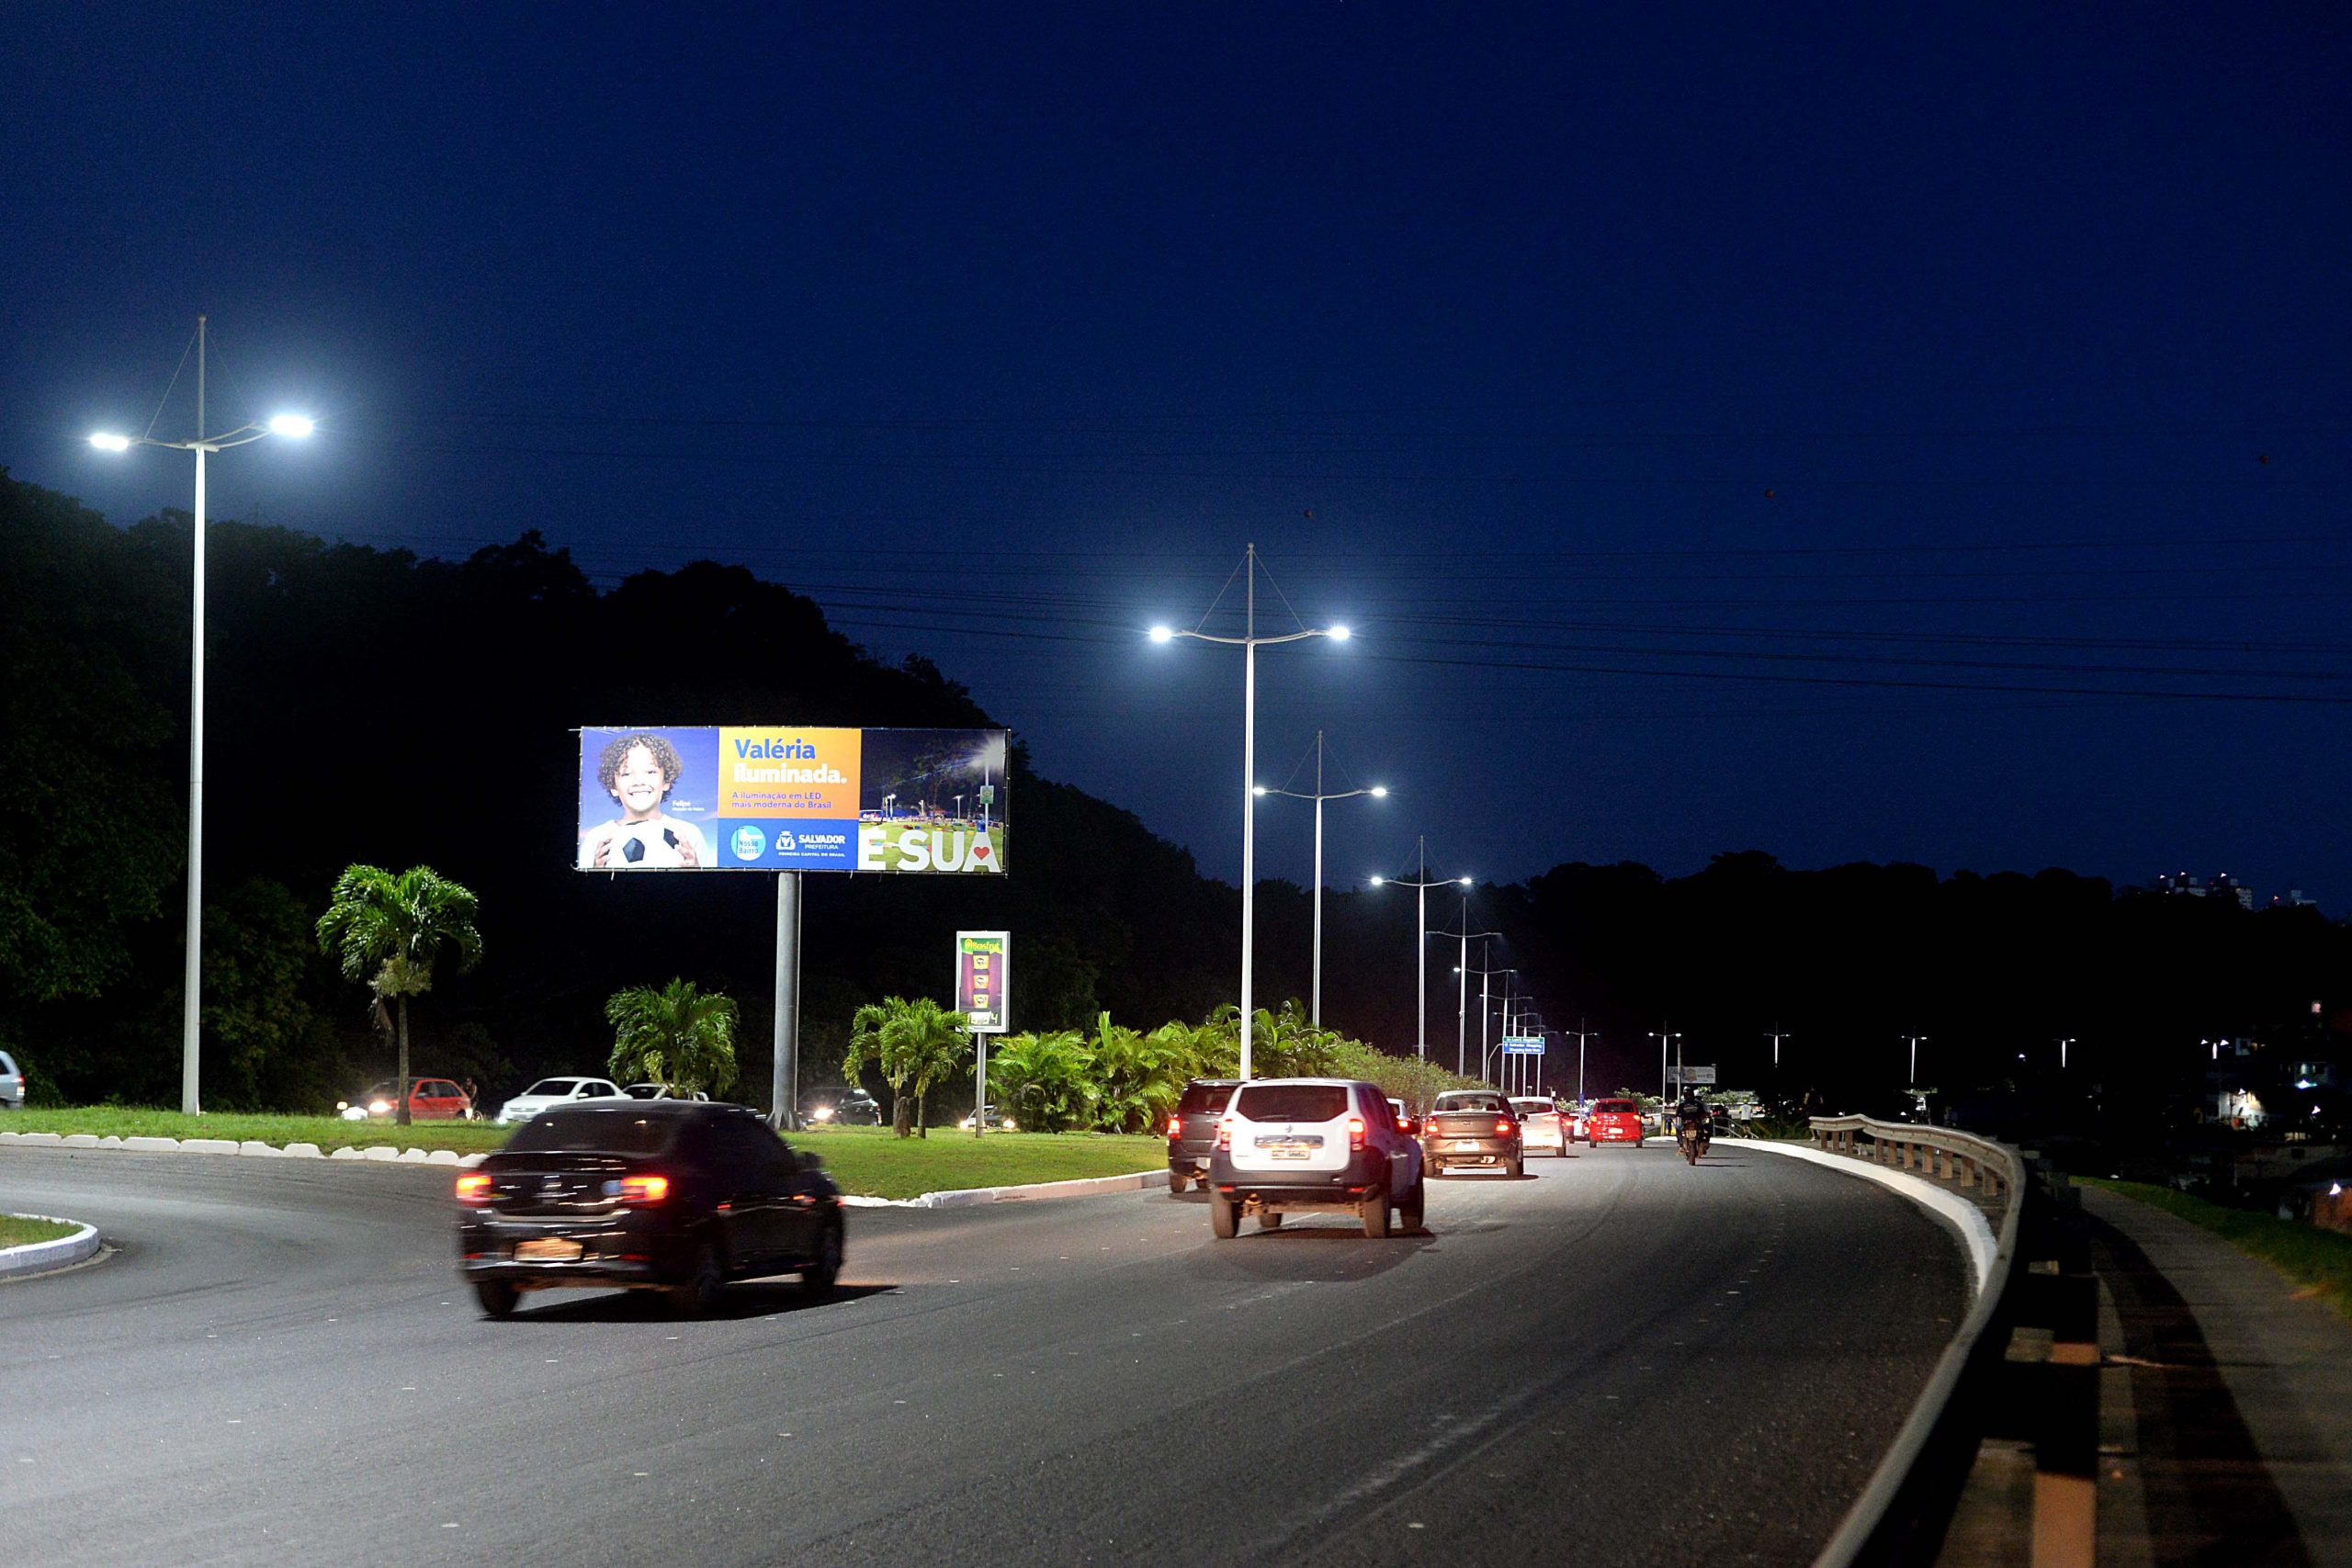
x=866 y=1161
x=1113 y=1078
x=23 y=1230
x=2320 y=1259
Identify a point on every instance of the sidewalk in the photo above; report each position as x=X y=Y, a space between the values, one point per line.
x=2236 y=1446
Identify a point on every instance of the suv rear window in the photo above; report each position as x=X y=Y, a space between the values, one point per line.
x=604 y=1130
x=1204 y=1097
x=1292 y=1102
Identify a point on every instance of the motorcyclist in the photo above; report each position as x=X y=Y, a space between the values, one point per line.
x=1691 y=1116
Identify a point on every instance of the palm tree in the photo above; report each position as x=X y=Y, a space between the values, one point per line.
x=677 y=1035
x=915 y=1044
x=1048 y=1079
x=388 y=929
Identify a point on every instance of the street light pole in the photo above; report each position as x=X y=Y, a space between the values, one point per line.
x=1915 y=1040
x=1249 y=643
x=2062 y=1052
x=1420 y=941
x=293 y=425
x=1315 y=1005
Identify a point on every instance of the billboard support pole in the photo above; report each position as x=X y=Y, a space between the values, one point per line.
x=980 y=1078
x=783 y=1085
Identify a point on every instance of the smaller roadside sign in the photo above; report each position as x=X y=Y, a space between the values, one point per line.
x=984 y=979
x=1689 y=1075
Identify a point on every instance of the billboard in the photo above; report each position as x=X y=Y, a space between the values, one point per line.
x=1523 y=1045
x=984 y=979
x=787 y=797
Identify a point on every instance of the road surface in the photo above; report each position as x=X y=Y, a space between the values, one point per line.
x=277 y=1363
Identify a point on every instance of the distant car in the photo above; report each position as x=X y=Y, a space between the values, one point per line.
x=1473 y=1127
x=676 y=1195
x=12 y=1083
x=1191 y=1129
x=997 y=1119
x=1404 y=1117
x=1288 y=1145
x=1613 y=1121
x=1540 y=1122
x=843 y=1108
x=549 y=1092
x=429 y=1099
x=660 y=1091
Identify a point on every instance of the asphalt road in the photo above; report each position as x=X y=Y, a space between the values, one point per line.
x=277 y=1363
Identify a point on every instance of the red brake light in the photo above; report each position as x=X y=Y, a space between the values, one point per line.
x=473 y=1188
x=1175 y=1126
x=1225 y=1132
x=1355 y=1132
x=644 y=1189
x=1504 y=1126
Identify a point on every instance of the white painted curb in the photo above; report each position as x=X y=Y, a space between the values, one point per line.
x=971 y=1197
x=1975 y=1232
x=250 y=1147
x=42 y=1257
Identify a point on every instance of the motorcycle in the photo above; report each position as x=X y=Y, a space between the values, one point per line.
x=1692 y=1141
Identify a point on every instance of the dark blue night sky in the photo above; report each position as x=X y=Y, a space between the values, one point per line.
x=1851 y=432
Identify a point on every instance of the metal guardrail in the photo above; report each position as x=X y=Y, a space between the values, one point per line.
x=2039 y=1277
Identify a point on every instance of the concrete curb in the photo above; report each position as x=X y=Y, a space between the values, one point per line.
x=44 y=1257
x=971 y=1197
x=1975 y=1232
x=251 y=1147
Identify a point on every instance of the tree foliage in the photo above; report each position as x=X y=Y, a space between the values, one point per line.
x=389 y=930
x=1046 y=1081
x=676 y=1034
x=915 y=1045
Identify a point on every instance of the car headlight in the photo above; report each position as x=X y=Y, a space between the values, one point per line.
x=823 y=1113
x=380 y=1107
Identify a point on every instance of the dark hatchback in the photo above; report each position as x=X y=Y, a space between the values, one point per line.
x=673 y=1195
x=1471 y=1126
x=1191 y=1129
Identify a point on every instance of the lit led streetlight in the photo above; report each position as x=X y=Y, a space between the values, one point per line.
x=203 y=445
x=1249 y=643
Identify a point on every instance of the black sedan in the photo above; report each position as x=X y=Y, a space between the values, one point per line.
x=674 y=1195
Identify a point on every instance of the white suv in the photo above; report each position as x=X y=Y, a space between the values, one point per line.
x=1287 y=1146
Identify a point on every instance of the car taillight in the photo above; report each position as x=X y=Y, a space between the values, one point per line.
x=640 y=1189
x=1175 y=1126
x=473 y=1188
x=1225 y=1134
x=1503 y=1126
x=1355 y=1132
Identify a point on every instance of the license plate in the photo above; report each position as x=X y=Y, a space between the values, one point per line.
x=546 y=1249
x=1288 y=1148
x=1469 y=1143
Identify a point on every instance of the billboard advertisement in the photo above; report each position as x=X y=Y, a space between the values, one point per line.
x=983 y=979
x=786 y=797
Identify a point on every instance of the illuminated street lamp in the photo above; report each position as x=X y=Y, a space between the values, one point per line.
x=1378 y=792
x=291 y=425
x=1249 y=643
x=1420 y=941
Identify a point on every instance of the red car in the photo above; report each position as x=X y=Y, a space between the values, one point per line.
x=1613 y=1121
x=429 y=1099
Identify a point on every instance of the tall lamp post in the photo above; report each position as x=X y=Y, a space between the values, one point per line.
x=1378 y=792
x=1486 y=1004
x=1462 y=1001
x=1248 y=642
x=1664 y=1039
x=203 y=445
x=1915 y=1040
x=1420 y=941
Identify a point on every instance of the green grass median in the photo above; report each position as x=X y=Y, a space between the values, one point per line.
x=868 y=1161
x=23 y=1230
x=2304 y=1253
